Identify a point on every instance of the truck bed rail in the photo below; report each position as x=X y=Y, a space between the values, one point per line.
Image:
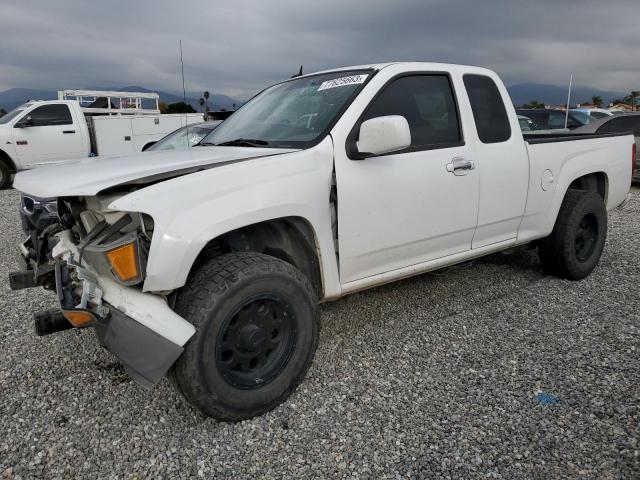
x=536 y=138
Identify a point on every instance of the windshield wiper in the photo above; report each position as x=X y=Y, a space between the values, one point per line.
x=242 y=142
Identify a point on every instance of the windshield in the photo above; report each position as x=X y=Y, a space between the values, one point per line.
x=292 y=114
x=7 y=117
x=184 y=137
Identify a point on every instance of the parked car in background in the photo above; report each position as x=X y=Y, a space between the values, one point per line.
x=526 y=124
x=626 y=122
x=529 y=127
x=594 y=113
x=211 y=261
x=184 y=137
x=82 y=123
x=550 y=119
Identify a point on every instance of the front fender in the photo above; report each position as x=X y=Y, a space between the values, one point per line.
x=191 y=210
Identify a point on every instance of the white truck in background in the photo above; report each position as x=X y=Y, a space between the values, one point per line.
x=82 y=123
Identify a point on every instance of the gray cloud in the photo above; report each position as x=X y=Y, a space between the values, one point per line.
x=238 y=47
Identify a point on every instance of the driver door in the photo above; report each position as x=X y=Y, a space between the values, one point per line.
x=50 y=137
x=408 y=207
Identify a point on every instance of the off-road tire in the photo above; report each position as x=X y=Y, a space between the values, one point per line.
x=209 y=299
x=5 y=175
x=559 y=253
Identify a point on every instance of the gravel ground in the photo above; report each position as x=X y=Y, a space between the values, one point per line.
x=438 y=375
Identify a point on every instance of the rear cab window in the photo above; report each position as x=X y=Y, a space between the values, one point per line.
x=487 y=105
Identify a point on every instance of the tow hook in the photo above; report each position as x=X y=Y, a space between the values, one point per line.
x=22 y=279
x=50 y=321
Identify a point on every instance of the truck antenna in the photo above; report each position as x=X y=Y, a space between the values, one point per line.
x=566 y=115
x=299 y=74
x=184 y=93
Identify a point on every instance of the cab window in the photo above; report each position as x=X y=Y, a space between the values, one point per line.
x=492 y=122
x=46 y=115
x=427 y=103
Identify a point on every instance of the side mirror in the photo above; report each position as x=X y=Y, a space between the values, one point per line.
x=25 y=122
x=382 y=135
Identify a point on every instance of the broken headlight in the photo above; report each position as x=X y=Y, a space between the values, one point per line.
x=119 y=249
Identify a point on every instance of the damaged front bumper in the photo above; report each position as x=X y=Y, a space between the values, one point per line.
x=138 y=328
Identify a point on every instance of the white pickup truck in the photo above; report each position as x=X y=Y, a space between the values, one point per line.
x=209 y=263
x=58 y=131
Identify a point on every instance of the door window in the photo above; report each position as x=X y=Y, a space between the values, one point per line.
x=55 y=114
x=428 y=104
x=492 y=122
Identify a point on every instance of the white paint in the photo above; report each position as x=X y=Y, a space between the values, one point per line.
x=91 y=175
x=384 y=135
x=547 y=180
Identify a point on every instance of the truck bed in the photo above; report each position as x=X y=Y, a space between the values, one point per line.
x=555 y=160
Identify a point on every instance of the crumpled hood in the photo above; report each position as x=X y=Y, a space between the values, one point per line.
x=89 y=176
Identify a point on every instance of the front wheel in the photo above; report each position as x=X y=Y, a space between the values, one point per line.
x=575 y=245
x=257 y=332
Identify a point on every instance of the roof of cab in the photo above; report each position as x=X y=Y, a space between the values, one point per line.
x=411 y=65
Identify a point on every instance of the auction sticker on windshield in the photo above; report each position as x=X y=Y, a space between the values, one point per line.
x=342 y=81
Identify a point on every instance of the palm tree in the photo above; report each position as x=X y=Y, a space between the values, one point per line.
x=206 y=100
x=201 y=102
x=631 y=99
x=596 y=100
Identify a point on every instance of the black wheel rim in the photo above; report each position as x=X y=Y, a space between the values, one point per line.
x=586 y=237
x=256 y=341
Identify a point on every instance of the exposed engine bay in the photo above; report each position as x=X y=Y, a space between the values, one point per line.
x=95 y=259
x=70 y=241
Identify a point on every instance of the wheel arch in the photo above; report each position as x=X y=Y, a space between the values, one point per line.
x=291 y=239
x=597 y=182
x=594 y=181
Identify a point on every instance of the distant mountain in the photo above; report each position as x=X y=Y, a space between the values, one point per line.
x=9 y=99
x=554 y=95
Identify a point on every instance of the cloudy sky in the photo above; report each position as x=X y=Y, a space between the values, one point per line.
x=239 y=46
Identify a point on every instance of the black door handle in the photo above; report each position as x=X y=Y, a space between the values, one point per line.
x=68 y=131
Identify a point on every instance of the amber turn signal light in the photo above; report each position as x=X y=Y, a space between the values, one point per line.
x=124 y=262
x=79 y=318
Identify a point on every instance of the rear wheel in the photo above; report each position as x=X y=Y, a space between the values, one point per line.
x=257 y=331
x=5 y=175
x=575 y=245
